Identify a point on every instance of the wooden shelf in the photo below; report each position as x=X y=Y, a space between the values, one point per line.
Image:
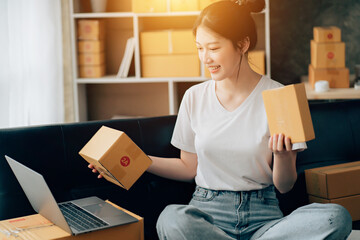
x=333 y=93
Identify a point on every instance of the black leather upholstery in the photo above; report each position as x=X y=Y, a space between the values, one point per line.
x=52 y=150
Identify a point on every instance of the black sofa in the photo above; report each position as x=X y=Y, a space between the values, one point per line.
x=52 y=150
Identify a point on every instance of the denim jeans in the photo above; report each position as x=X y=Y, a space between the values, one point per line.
x=250 y=215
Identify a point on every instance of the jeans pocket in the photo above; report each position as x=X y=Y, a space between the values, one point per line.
x=269 y=198
x=203 y=194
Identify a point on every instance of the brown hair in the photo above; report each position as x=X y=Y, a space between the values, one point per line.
x=231 y=20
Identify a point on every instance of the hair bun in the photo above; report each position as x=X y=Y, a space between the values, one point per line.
x=254 y=6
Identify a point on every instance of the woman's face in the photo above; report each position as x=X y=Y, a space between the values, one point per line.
x=217 y=54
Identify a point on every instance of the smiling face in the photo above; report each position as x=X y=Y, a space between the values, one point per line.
x=218 y=54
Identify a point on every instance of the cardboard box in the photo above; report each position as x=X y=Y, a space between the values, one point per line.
x=327 y=34
x=327 y=55
x=288 y=112
x=87 y=46
x=351 y=203
x=149 y=6
x=180 y=65
x=36 y=227
x=334 y=181
x=91 y=71
x=337 y=77
x=204 y=3
x=184 y=5
x=116 y=157
x=167 y=42
x=257 y=61
x=91 y=58
x=91 y=29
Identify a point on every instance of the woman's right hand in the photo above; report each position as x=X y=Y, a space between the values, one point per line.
x=94 y=170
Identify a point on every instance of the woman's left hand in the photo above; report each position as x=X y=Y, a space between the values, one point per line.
x=281 y=145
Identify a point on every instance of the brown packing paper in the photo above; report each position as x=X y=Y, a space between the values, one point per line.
x=288 y=112
x=334 y=181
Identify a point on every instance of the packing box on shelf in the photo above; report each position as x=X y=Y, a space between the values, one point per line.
x=184 y=5
x=288 y=112
x=91 y=46
x=351 y=203
x=91 y=58
x=116 y=157
x=149 y=6
x=91 y=71
x=334 y=181
x=257 y=61
x=179 y=65
x=167 y=42
x=204 y=3
x=337 y=77
x=327 y=55
x=91 y=29
x=36 y=227
x=327 y=34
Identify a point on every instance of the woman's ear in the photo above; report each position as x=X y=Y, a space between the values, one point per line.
x=244 y=45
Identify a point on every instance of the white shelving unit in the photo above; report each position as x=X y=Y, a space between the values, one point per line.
x=101 y=98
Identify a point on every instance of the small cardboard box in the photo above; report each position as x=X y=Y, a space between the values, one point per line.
x=167 y=42
x=91 y=58
x=91 y=29
x=92 y=71
x=116 y=157
x=327 y=55
x=94 y=46
x=184 y=5
x=351 y=203
x=36 y=227
x=337 y=77
x=334 y=181
x=149 y=6
x=204 y=3
x=288 y=112
x=179 y=65
x=256 y=61
x=327 y=34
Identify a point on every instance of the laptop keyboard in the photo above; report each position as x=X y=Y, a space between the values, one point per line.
x=80 y=219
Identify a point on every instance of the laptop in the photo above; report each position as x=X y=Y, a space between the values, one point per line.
x=76 y=216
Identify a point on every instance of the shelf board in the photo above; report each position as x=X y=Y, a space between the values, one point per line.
x=114 y=79
x=131 y=14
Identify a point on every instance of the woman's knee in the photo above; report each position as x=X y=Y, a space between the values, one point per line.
x=171 y=220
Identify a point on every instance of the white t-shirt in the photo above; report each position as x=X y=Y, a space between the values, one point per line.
x=232 y=147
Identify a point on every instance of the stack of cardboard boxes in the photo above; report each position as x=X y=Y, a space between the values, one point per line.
x=336 y=184
x=91 y=55
x=328 y=58
x=169 y=53
x=141 y=6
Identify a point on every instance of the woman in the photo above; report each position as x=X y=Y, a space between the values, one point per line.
x=225 y=145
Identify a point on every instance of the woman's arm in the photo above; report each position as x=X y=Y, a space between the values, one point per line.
x=284 y=165
x=183 y=168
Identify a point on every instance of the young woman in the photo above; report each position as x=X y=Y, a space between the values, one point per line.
x=225 y=145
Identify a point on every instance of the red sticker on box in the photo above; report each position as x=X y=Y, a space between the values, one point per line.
x=125 y=161
x=330 y=36
x=330 y=55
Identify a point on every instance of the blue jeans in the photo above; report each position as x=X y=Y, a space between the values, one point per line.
x=250 y=215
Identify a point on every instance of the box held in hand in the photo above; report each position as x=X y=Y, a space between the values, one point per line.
x=288 y=112
x=116 y=157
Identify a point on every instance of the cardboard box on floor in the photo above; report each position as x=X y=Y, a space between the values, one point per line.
x=36 y=227
x=351 y=203
x=116 y=157
x=288 y=112
x=336 y=181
